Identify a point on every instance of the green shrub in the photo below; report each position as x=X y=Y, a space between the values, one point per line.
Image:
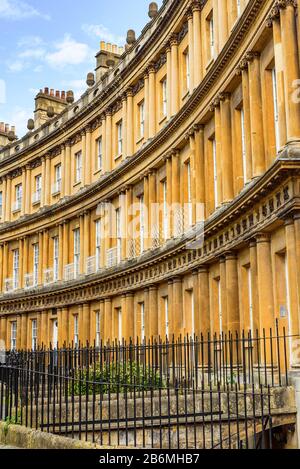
x=113 y=378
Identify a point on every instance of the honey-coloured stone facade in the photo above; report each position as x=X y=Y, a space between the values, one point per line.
x=165 y=201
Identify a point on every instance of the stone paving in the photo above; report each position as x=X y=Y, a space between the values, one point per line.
x=7 y=447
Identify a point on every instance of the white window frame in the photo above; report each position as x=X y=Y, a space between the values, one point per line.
x=276 y=110
x=142 y=118
x=36 y=257
x=120 y=137
x=166 y=311
x=76 y=234
x=98 y=243
x=19 y=196
x=34 y=335
x=164 y=97
x=100 y=153
x=212 y=36
x=76 y=330
x=187 y=69
x=143 y=323
x=58 y=176
x=78 y=167
x=98 y=328
x=55 y=258
x=250 y=291
x=13 y=335
x=38 y=186
x=118 y=233
x=16 y=268
x=238 y=8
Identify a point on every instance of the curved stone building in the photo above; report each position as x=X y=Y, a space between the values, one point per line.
x=167 y=199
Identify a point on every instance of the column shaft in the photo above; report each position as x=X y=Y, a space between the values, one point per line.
x=152 y=103
x=226 y=149
x=204 y=309
x=175 y=77
x=265 y=284
x=232 y=293
x=197 y=52
x=130 y=123
x=177 y=307
x=153 y=312
x=247 y=120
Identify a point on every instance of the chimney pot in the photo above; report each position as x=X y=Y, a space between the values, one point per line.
x=70 y=97
x=46 y=91
x=57 y=94
x=63 y=95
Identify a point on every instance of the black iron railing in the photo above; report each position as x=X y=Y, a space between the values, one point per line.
x=208 y=392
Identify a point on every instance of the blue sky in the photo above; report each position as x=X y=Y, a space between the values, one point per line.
x=53 y=43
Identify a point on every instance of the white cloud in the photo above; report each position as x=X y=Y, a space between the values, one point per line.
x=19 y=10
x=19 y=117
x=103 y=33
x=68 y=52
x=16 y=66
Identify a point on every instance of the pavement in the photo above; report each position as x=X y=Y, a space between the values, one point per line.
x=7 y=447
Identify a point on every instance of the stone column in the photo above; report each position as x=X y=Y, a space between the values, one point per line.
x=5 y=264
x=291 y=68
x=153 y=312
x=254 y=283
x=196 y=298
x=197 y=52
x=146 y=104
x=171 y=309
x=3 y=330
x=194 y=181
x=66 y=254
x=83 y=154
x=175 y=75
x=44 y=183
x=274 y=22
x=247 y=118
x=82 y=240
x=292 y=272
x=107 y=320
x=177 y=307
x=88 y=156
x=169 y=164
x=86 y=238
x=4 y=190
x=146 y=210
x=8 y=199
x=63 y=169
x=177 y=214
x=257 y=135
x=297 y=238
x=68 y=168
x=232 y=293
x=24 y=188
x=222 y=22
x=130 y=122
x=152 y=101
x=41 y=251
x=103 y=125
x=61 y=251
x=86 y=324
x=47 y=180
x=128 y=214
x=124 y=124
x=169 y=81
x=218 y=138
x=44 y=339
x=21 y=255
x=25 y=256
x=226 y=148
x=28 y=190
x=108 y=141
x=128 y=318
x=265 y=283
x=152 y=212
x=192 y=57
x=1 y=270
x=199 y=167
x=204 y=310
x=45 y=252
x=224 y=293
x=23 y=332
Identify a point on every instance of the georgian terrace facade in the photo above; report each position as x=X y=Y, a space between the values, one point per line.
x=200 y=113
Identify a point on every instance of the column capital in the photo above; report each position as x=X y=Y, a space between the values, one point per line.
x=68 y=143
x=173 y=39
x=225 y=96
x=129 y=92
x=273 y=16
x=230 y=255
x=251 y=55
x=203 y=269
x=214 y=104
x=189 y=13
x=108 y=112
x=195 y=5
x=153 y=288
x=177 y=280
x=151 y=68
x=263 y=238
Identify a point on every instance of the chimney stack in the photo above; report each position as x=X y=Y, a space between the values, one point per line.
x=48 y=99
x=108 y=56
x=7 y=134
